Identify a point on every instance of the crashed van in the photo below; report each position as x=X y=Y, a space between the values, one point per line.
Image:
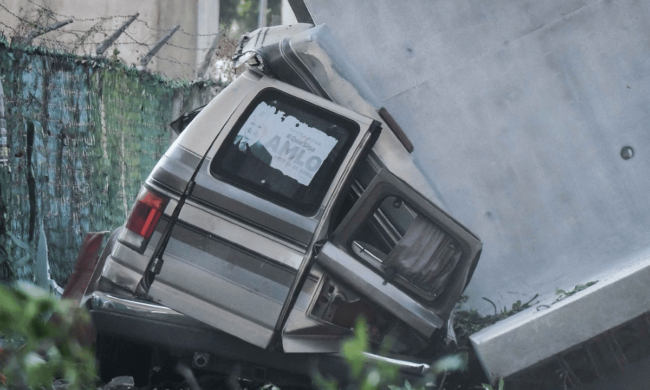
x=286 y=209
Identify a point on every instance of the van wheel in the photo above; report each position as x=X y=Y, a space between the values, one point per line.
x=117 y=357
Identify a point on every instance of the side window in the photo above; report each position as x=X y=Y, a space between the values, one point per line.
x=286 y=150
x=407 y=247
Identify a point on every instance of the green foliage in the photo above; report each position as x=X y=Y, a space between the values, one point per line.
x=42 y=340
x=562 y=294
x=469 y=322
x=242 y=15
x=489 y=387
x=354 y=348
x=381 y=375
x=15 y=267
x=457 y=362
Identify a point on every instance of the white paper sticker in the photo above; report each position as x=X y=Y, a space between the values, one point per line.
x=285 y=143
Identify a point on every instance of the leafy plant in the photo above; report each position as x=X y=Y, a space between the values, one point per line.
x=44 y=339
x=242 y=15
x=562 y=294
x=366 y=376
x=468 y=322
x=489 y=387
x=14 y=265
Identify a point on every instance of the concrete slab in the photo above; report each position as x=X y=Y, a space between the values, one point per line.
x=532 y=336
x=519 y=111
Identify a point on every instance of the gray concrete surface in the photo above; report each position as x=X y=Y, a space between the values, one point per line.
x=518 y=110
x=532 y=336
x=635 y=377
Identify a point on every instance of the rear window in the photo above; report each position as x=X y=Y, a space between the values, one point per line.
x=285 y=150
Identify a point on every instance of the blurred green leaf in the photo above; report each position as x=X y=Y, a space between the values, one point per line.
x=48 y=349
x=354 y=348
x=489 y=387
x=457 y=362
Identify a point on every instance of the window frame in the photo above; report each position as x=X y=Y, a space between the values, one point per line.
x=386 y=184
x=325 y=178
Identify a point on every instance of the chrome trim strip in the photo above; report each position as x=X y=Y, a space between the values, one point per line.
x=103 y=301
x=406 y=366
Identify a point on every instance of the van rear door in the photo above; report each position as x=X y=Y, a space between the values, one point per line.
x=402 y=252
x=262 y=194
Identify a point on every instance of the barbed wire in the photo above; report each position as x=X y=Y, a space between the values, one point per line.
x=174 y=61
x=99 y=32
x=135 y=40
x=9 y=27
x=16 y=16
x=103 y=18
x=76 y=19
x=179 y=30
x=187 y=48
x=74 y=142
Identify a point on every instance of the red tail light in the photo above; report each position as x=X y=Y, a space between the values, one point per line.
x=146 y=213
x=149 y=207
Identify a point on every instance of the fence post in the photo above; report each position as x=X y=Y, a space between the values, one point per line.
x=101 y=48
x=145 y=60
x=41 y=31
x=208 y=56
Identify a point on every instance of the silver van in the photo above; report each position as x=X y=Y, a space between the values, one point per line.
x=287 y=208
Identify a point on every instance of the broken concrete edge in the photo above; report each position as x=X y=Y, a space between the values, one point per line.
x=532 y=336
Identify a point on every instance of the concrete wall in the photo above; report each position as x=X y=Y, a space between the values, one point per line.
x=288 y=16
x=207 y=24
x=178 y=59
x=519 y=110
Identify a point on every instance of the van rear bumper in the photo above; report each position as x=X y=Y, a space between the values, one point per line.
x=158 y=326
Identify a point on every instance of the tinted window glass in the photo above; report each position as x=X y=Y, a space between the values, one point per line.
x=408 y=247
x=286 y=150
x=385 y=227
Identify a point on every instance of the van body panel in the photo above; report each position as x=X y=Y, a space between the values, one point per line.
x=234 y=251
x=248 y=207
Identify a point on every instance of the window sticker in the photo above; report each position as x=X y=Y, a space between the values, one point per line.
x=283 y=142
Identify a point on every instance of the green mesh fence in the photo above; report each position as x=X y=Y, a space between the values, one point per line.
x=83 y=135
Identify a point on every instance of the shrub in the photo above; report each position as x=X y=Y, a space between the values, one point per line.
x=43 y=339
